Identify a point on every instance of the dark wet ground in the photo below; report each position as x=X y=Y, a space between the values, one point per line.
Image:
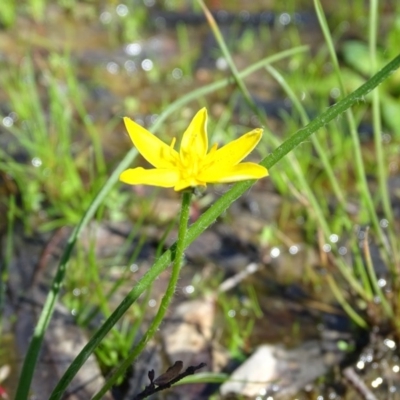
x=294 y=311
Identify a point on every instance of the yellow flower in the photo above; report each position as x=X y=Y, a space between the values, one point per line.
x=193 y=165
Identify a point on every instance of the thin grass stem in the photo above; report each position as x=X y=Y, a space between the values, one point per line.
x=9 y=244
x=212 y=87
x=374 y=280
x=344 y=303
x=305 y=120
x=345 y=271
x=165 y=302
x=361 y=176
x=382 y=174
x=227 y=55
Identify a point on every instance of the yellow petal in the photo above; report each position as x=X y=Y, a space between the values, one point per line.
x=191 y=182
x=194 y=144
x=156 y=152
x=154 y=177
x=239 y=172
x=234 y=152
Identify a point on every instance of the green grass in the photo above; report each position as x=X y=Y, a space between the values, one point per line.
x=52 y=183
x=66 y=179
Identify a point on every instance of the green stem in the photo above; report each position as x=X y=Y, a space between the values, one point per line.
x=9 y=245
x=165 y=302
x=213 y=87
x=331 y=113
x=344 y=303
x=377 y=125
x=227 y=55
x=374 y=280
x=361 y=175
x=315 y=204
x=316 y=142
